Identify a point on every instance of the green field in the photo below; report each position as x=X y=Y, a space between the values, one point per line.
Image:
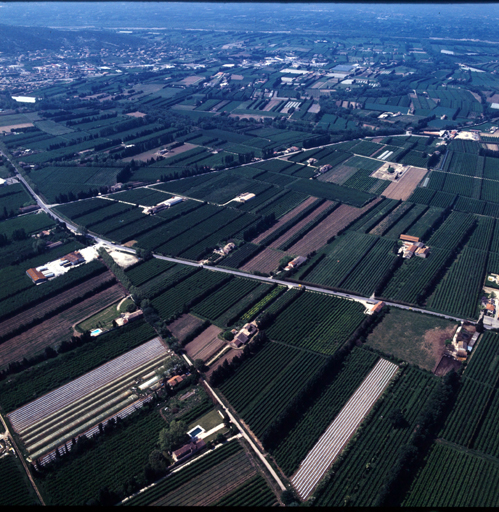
x=413 y=337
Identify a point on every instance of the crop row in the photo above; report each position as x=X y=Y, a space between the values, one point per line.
x=188 y=473
x=484 y=365
x=217 y=303
x=186 y=293
x=470 y=403
x=317 y=322
x=14 y=490
x=458 y=292
x=171 y=277
x=147 y=270
x=410 y=281
x=293 y=449
x=404 y=223
x=253 y=493
x=361 y=475
x=336 y=436
x=80 y=208
x=455 y=478
x=259 y=306
x=451 y=232
x=374 y=216
x=338 y=263
x=241 y=255
x=282 y=371
x=161 y=234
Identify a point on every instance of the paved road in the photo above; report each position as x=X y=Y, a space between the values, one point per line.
x=129 y=250
x=21 y=458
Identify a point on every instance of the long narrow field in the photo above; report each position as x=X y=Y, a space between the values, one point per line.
x=266 y=261
x=322 y=455
x=284 y=219
x=55 y=329
x=329 y=227
x=290 y=232
x=78 y=405
x=15 y=489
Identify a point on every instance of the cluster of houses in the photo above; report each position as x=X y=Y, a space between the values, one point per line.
x=413 y=246
x=42 y=274
x=463 y=341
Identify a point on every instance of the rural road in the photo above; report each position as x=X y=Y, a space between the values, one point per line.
x=243 y=432
x=76 y=228
x=21 y=458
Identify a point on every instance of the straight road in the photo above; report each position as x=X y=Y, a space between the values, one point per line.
x=129 y=250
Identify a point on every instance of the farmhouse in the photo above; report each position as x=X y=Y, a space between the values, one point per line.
x=296 y=262
x=225 y=250
x=374 y=308
x=188 y=450
x=72 y=259
x=325 y=168
x=36 y=276
x=174 y=381
x=125 y=318
x=409 y=249
x=244 y=334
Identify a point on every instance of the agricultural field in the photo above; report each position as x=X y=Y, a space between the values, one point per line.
x=15 y=488
x=317 y=322
x=336 y=436
x=335 y=393
x=184 y=326
x=413 y=337
x=319 y=236
x=283 y=371
x=265 y=261
x=351 y=482
x=80 y=479
x=203 y=482
x=67 y=411
x=58 y=328
x=469 y=480
x=205 y=345
x=67 y=366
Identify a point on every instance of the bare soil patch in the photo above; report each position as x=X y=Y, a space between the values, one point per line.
x=445 y=365
x=299 y=225
x=271 y=104
x=404 y=187
x=53 y=331
x=329 y=227
x=191 y=80
x=206 y=345
x=228 y=356
x=266 y=261
x=284 y=219
x=413 y=337
x=14 y=127
x=184 y=325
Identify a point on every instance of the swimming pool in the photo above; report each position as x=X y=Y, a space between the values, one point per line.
x=196 y=431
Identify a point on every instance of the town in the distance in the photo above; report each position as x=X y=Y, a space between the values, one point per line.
x=249 y=254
